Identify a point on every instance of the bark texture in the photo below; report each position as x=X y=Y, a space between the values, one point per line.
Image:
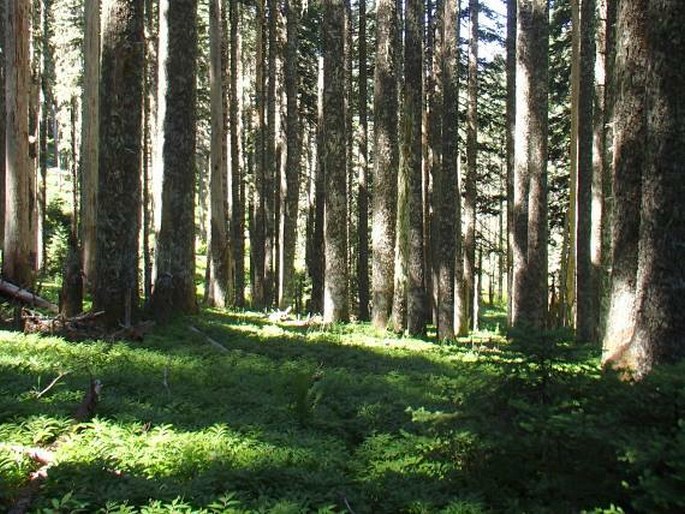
x=218 y=273
x=412 y=161
x=587 y=311
x=529 y=307
x=3 y=111
x=471 y=170
x=287 y=282
x=336 y=302
x=647 y=32
x=363 y=178
x=386 y=163
x=89 y=136
x=19 y=256
x=447 y=235
x=119 y=200
x=175 y=256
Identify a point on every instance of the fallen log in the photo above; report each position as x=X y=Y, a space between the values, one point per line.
x=27 y=297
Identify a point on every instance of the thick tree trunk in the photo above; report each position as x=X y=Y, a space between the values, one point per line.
x=447 y=236
x=119 y=191
x=529 y=307
x=89 y=136
x=175 y=253
x=19 y=258
x=317 y=261
x=411 y=147
x=363 y=193
x=471 y=168
x=649 y=156
x=386 y=162
x=288 y=229
x=587 y=311
x=630 y=134
x=218 y=274
x=336 y=301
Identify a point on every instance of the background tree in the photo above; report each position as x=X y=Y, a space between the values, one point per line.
x=411 y=160
x=386 y=161
x=363 y=177
x=19 y=257
x=470 y=293
x=510 y=144
x=529 y=306
x=218 y=283
x=336 y=306
x=89 y=136
x=287 y=279
x=119 y=191
x=447 y=237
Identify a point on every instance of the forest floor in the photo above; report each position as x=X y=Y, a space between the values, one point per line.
x=234 y=412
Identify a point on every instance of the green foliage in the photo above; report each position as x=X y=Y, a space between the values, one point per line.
x=57 y=229
x=294 y=418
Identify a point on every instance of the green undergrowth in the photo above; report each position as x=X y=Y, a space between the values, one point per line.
x=295 y=417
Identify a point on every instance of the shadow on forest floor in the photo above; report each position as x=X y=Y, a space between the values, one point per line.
x=295 y=418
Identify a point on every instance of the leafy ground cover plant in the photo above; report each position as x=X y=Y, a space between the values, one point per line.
x=297 y=418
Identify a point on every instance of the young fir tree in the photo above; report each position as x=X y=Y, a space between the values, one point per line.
x=119 y=191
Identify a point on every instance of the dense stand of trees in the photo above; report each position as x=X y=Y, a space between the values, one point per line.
x=311 y=152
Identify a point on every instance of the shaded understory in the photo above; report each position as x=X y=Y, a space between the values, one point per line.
x=293 y=418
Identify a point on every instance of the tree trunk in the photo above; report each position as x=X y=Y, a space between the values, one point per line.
x=238 y=203
x=336 y=301
x=587 y=311
x=218 y=283
x=649 y=225
x=510 y=144
x=3 y=124
x=386 y=162
x=119 y=191
x=175 y=252
x=287 y=277
x=89 y=136
x=529 y=307
x=258 y=232
x=411 y=147
x=363 y=193
x=18 y=258
x=471 y=168
x=447 y=236
x=317 y=261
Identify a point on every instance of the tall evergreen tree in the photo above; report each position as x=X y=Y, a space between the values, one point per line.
x=218 y=272
x=529 y=307
x=336 y=302
x=119 y=191
x=471 y=171
x=363 y=180
x=89 y=135
x=587 y=311
x=289 y=215
x=237 y=183
x=386 y=161
x=510 y=145
x=174 y=289
x=647 y=317
x=19 y=256
x=411 y=153
x=2 y=124
x=446 y=193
